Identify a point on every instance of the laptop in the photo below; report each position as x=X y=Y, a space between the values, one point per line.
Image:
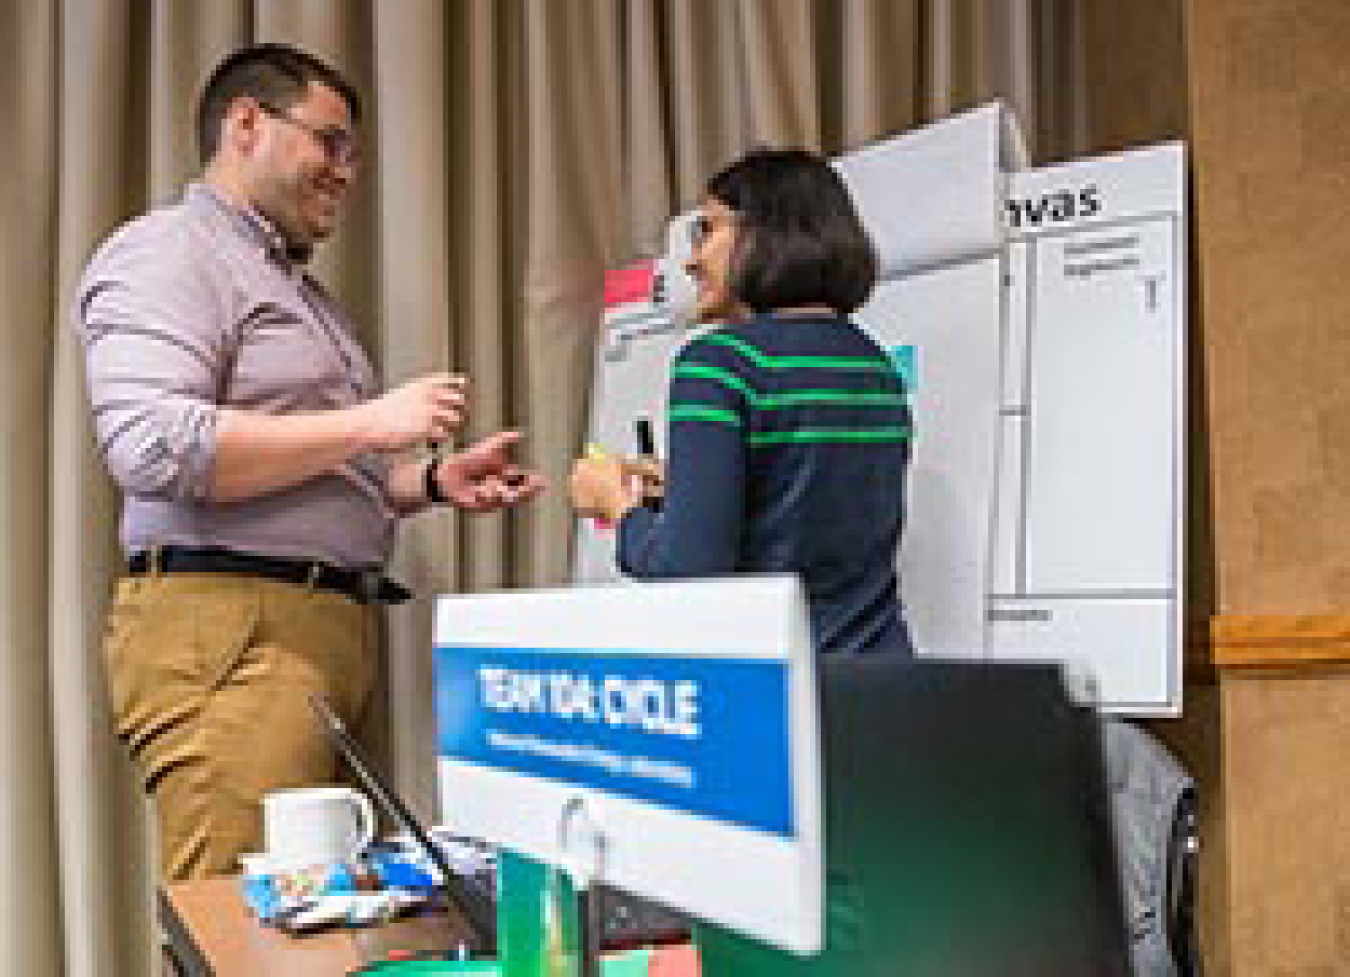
x=623 y=921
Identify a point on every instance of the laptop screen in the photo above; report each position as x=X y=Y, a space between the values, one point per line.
x=477 y=913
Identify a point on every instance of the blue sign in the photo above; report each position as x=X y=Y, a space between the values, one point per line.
x=706 y=736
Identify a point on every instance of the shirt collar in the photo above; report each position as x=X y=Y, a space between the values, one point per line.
x=249 y=223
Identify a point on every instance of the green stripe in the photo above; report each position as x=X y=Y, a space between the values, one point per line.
x=856 y=398
x=703 y=412
x=813 y=435
x=767 y=362
x=697 y=371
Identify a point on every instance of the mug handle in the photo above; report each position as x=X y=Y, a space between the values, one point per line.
x=365 y=812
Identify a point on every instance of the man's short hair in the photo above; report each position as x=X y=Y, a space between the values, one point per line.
x=799 y=240
x=277 y=75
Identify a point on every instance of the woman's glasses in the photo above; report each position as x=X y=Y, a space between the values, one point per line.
x=699 y=230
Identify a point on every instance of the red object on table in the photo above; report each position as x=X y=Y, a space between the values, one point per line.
x=676 y=960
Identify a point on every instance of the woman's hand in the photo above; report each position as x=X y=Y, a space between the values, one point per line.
x=606 y=487
x=650 y=476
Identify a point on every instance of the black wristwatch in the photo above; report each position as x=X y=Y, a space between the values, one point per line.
x=430 y=486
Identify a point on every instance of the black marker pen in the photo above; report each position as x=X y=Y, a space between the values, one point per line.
x=646 y=443
x=646 y=448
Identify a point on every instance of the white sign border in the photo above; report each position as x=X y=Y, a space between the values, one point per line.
x=754 y=882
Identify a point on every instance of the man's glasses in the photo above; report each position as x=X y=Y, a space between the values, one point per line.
x=337 y=143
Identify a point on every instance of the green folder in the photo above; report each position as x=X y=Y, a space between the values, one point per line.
x=633 y=964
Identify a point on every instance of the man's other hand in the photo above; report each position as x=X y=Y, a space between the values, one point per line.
x=483 y=478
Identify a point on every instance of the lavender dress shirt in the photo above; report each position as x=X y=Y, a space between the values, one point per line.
x=193 y=307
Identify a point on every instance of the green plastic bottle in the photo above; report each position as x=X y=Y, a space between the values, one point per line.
x=538 y=930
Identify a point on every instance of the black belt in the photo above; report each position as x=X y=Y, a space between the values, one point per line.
x=368 y=586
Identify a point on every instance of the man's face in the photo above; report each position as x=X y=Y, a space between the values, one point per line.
x=714 y=237
x=302 y=163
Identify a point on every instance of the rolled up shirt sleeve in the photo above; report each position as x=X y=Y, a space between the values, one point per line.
x=155 y=330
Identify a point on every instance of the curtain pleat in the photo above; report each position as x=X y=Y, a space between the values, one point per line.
x=881 y=59
x=572 y=168
x=779 y=57
x=30 y=923
x=487 y=204
x=186 y=41
x=100 y=851
x=414 y=328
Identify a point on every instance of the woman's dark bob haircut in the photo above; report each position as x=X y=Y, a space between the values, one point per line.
x=799 y=240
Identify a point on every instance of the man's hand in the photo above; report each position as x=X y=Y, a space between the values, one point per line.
x=483 y=478
x=429 y=408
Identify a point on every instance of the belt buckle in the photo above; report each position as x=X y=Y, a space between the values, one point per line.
x=369 y=586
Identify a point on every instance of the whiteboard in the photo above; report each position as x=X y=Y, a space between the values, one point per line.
x=1090 y=513
x=1046 y=495
x=947 y=323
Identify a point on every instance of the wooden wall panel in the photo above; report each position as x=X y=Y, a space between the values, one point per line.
x=1286 y=783
x=1266 y=92
x=1270 y=99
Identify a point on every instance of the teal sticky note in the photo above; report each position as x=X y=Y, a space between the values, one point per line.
x=634 y=963
x=906 y=360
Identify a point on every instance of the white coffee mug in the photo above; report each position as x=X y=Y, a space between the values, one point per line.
x=314 y=825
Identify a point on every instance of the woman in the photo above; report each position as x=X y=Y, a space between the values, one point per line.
x=789 y=429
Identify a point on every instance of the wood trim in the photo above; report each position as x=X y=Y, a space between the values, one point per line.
x=1198 y=660
x=1279 y=641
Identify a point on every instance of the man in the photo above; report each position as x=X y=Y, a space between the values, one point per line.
x=262 y=474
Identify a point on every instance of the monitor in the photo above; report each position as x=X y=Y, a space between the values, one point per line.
x=967 y=830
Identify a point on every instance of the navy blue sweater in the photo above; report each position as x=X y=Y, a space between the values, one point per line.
x=789 y=442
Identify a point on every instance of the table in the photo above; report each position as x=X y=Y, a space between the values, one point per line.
x=211 y=932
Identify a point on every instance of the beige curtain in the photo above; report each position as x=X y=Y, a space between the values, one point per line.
x=518 y=147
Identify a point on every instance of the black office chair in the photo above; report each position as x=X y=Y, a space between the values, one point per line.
x=1183 y=868
x=1153 y=808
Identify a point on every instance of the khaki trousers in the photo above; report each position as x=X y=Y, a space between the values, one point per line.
x=209 y=675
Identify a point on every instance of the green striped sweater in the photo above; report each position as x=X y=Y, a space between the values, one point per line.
x=788 y=444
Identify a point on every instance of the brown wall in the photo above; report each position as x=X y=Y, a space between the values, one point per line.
x=1270 y=132
x=1134 y=72
x=1283 y=887
x=1287 y=820
x=1261 y=90
x=1135 y=90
